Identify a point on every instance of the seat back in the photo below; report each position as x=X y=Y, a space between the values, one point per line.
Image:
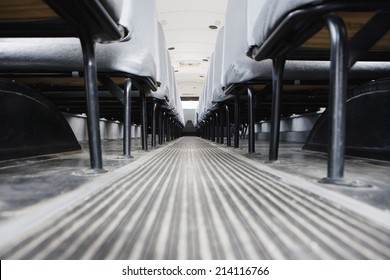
x=163 y=67
x=254 y=8
x=217 y=91
x=172 y=87
x=205 y=98
x=265 y=15
x=235 y=41
x=179 y=108
x=143 y=17
x=209 y=85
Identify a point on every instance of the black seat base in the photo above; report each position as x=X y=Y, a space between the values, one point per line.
x=31 y=125
x=368 y=122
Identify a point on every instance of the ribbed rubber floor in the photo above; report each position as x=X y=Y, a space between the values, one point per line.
x=194 y=201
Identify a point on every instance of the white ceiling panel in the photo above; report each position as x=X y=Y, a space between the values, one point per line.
x=186 y=27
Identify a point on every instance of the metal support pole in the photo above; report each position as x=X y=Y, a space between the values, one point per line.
x=144 y=116
x=112 y=87
x=127 y=118
x=209 y=129
x=337 y=102
x=154 y=125
x=164 y=125
x=222 y=126
x=171 y=129
x=251 y=122
x=212 y=125
x=92 y=96
x=216 y=128
x=277 y=81
x=229 y=139
x=206 y=130
x=160 y=127
x=237 y=121
x=173 y=135
x=168 y=129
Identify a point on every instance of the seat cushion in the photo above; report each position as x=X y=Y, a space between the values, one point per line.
x=163 y=66
x=56 y=55
x=234 y=37
x=245 y=69
x=265 y=15
x=137 y=56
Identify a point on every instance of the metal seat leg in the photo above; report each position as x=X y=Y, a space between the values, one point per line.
x=164 y=123
x=127 y=119
x=222 y=126
x=216 y=128
x=154 y=126
x=337 y=100
x=237 y=121
x=251 y=123
x=160 y=127
x=144 y=131
x=90 y=76
x=228 y=131
x=277 y=81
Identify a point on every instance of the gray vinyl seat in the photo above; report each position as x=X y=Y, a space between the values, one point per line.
x=172 y=107
x=166 y=97
x=137 y=56
x=264 y=16
x=173 y=95
x=277 y=27
x=134 y=56
x=179 y=112
x=174 y=104
x=259 y=18
x=98 y=20
x=267 y=18
x=167 y=92
x=172 y=85
x=208 y=88
x=217 y=88
x=200 y=108
x=164 y=67
x=238 y=68
x=204 y=106
x=232 y=66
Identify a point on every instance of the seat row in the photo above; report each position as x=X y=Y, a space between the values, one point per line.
x=301 y=46
x=116 y=46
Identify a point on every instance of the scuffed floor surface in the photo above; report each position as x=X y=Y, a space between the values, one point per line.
x=194 y=200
